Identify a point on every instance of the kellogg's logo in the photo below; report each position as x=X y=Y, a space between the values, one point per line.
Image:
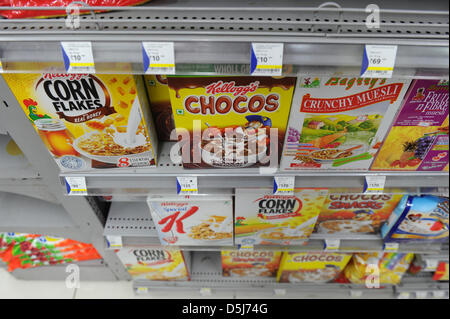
x=230 y=87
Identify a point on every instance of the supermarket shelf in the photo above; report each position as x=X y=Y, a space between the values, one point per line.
x=216 y=36
x=206 y=278
x=141 y=181
x=34 y=188
x=133 y=223
x=28 y=215
x=92 y=270
x=14 y=167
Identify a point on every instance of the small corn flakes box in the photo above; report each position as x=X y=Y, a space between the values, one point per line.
x=89 y=121
x=319 y=267
x=181 y=220
x=345 y=212
x=262 y=218
x=390 y=267
x=250 y=263
x=230 y=121
x=155 y=263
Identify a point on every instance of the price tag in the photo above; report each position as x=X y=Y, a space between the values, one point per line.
x=421 y=294
x=158 y=57
x=76 y=186
x=280 y=292
x=438 y=294
x=205 y=291
x=187 y=185
x=378 y=61
x=245 y=247
x=392 y=247
x=404 y=295
x=1 y=67
x=78 y=57
x=431 y=264
x=142 y=290
x=266 y=59
x=114 y=241
x=443 y=191
x=374 y=184
x=332 y=244
x=356 y=293
x=283 y=185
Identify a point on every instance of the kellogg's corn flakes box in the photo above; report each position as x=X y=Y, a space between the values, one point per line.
x=338 y=123
x=154 y=263
x=418 y=139
x=345 y=213
x=181 y=220
x=262 y=218
x=229 y=119
x=89 y=121
x=158 y=94
x=318 y=267
x=250 y=263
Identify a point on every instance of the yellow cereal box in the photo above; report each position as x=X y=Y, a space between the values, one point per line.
x=250 y=263
x=262 y=218
x=153 y=263
x=345 y=212
x=89 y=121
x=311 y=266
x=158 y=94
x=418 y=139
x=228 y=120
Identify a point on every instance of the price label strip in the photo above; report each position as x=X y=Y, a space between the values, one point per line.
x=421 y=294
x=114 y=241
x=142 y=290
x=374 y=184
x=1 y=67
x=205 y=291
x=266 y=59
x=391 y=247
x=378 y=61
x=76 y=186
x=78 y=57
x=158 y=57
x=280 y=292
x=404 y=295
x=431 y=264
x=331 y=244
x=187 y=185
x=283 y=185
x=245 y=247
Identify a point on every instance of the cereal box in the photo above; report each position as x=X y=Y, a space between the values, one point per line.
x=155 y=263
x=345 y=212
x=200 y=221
x=158 y=94
x=390 y=267
x=229 y=119
x=338 y=123
x=250 y=263
x=319 y=267
x=262 y=218
x=418 y=218
x=418 y=139
x=89 y=121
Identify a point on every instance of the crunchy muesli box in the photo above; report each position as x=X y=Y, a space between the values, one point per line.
x=228 y=120
x=250 y=263
x=338 y=123
x=89 y=121
x=262 y=218
x=418 y=139
x=188 y=221
x=317 y=267
x=155 y=263
x=345 y=212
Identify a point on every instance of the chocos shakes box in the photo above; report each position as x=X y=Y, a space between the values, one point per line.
x=227 y=120
x=89 y=121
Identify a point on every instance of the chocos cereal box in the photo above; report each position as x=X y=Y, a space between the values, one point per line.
x=158 y=94
x=255 y=263
x=338 y=123
x=418 y=139
x=89 y=121
x=418 y=218
x=345 y=213
x=200 y=221
x=319 y=267
x=228 y=120
x=153 y=263
x=266 y=219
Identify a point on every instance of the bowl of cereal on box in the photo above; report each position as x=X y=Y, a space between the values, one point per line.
x=217 y=229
